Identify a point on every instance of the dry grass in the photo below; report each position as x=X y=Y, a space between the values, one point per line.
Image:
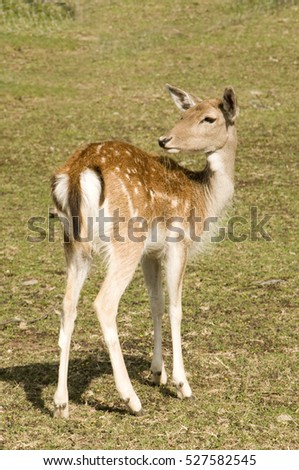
x=98 y=74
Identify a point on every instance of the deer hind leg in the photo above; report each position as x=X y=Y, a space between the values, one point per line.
x=175 y=267
x=78 y=261
x=120 y=271
x=153 y=279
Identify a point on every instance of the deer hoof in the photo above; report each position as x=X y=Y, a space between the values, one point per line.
x=159 y=377
x=61 y=411
x=183 y=390
x=134 y=406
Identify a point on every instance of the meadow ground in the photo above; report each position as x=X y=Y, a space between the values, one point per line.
x=81 y=71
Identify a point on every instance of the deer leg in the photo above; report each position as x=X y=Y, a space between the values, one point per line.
x=78 y=262
x=175 y=267
x=119 y=274
x=153 y=279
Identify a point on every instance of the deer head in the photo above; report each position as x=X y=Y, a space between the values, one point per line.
x=204 y=124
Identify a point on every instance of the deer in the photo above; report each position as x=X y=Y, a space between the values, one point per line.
x=155 y=212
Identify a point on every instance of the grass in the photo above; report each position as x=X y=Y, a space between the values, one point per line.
x=96 y=71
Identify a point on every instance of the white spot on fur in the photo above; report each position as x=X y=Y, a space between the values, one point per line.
x=103 y=159
x=174 y=203
x=127 y=194
x=117 y=168
x=99 y=148
x=128 y=152
x=136 y=191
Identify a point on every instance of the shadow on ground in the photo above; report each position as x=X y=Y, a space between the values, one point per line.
x=34 y=378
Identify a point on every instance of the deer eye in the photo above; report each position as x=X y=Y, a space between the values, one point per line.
x=208 y=119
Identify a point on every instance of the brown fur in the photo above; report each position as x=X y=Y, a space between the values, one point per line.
x=153 y=182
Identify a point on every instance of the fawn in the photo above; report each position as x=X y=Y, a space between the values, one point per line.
x=134 y=207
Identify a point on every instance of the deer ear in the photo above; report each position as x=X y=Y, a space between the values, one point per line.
x=230 y=103
x=182 y=99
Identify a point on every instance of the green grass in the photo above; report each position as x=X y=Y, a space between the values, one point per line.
x=96 y=71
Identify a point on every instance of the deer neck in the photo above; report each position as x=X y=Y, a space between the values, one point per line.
x=220 y=168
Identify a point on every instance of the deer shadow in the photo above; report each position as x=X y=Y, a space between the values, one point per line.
x=34 y=378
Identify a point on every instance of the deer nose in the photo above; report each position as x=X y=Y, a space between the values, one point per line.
x=163 y=141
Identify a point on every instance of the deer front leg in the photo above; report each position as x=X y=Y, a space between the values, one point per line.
x=153 y=279
x=175 y=267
